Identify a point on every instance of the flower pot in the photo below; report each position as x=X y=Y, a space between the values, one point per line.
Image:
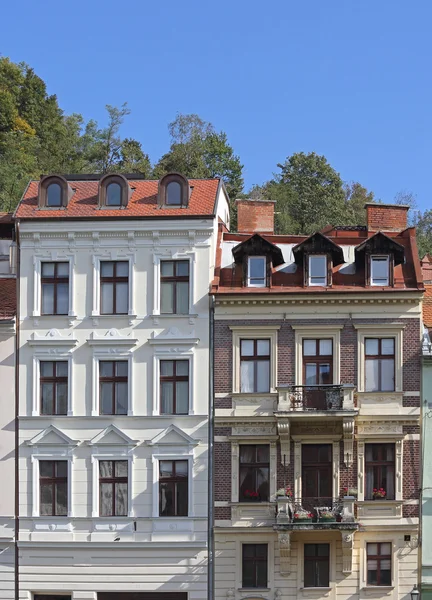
x=379 y=497
x=308 y=520
x=327 y=520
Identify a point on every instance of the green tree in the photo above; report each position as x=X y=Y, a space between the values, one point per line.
x=132 y=159
x=356 y=196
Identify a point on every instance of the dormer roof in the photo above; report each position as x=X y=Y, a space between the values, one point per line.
x=256 y=245
x=318 y=243
x=380 y=243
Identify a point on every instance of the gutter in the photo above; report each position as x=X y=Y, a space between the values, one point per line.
x=18 y=269
x=210 y=492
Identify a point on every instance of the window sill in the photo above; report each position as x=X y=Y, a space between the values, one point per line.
x=253 y=394
x=253 y=590
x=378 y=588
x=316 y=589
x=175 y=316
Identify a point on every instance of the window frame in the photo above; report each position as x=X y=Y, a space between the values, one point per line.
x=55 y=281
x=318 y=359
x=315 y=559
x=174 y=279
x=157 y=259
x=114 y=280
x=185 y=190
x=47 y=204
x=112 y=257
x=174 y=481
x=317 y=332
x=37 y=283
x=379 y=557
x=55 y=381
x=113 y=480
x=110 y=453
x=184 y=452
x=104 y=354
x=54 y=481
x=380 y=357
x=255 y=358
x=310 y=283
x=173 y=379
x=254 y=466
x=114 y=379
x=251 y=259
x=380 y=257
x=41 y=354
x=52 y=453
x=379 y=464
x=254 y=560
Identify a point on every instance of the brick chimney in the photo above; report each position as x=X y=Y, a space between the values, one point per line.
x=390 y=217
x=255 y=216
x=426 y=267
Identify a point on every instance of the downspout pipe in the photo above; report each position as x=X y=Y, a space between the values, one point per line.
x=210 y=516
x=17 y=362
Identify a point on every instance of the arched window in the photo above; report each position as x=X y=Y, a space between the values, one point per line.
x=113 y=194
x=54 y=195
x=174 y=193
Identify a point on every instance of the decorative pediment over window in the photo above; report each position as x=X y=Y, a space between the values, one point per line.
x=52 y=338
x=380 y=243
x=318 y=244
x=173 y=335
x=52 y=437
x=173 y=436
x=112 y=436
x=111 y=338
x=258 y=246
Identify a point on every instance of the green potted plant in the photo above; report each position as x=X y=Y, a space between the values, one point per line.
x=326 y=516
x=284 y=493
x=303 y=516
x=379 y=493
x=349 y=492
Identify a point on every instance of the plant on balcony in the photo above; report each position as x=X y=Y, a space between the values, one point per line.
x=379 y=493
x=251 y=494
x=349 y=492
x=284 y=493
x=303 y=516
x=326 y=516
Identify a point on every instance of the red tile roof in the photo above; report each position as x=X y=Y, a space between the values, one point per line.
x=427 y=306
x=8 y=298
x=143 y=202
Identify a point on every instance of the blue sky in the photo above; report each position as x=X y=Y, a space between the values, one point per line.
x=350 y=80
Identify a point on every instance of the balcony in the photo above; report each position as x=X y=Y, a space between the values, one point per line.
x=315 y=513
x=316 y=399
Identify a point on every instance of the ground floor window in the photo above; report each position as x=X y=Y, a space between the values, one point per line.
x=379 y=564
x=254 y=566
x=316 y=565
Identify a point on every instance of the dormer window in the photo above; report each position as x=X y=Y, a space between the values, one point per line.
x=114 y=191
x=257 y=267
x=173 y=191
x=54 y=192
x=113 y=194
x=53 y=195
x=380 y=270
x=317 y=270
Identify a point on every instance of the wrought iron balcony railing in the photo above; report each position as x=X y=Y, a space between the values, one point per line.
x=315 y=398
x=306 y=511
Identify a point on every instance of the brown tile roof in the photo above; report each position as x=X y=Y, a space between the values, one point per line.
x=143 y=202
x=427 y=306
x=7 y=298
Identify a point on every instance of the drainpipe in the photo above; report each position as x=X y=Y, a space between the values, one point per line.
x=17 y=330
x=210 y=516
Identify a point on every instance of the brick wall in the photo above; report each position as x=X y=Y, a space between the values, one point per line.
x=411 y=469
x=222 y=471
x=386 y=216
x=255 y=216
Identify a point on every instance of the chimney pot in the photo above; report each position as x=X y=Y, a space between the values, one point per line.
x=386 y=217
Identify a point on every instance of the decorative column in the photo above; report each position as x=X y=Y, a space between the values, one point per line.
x=284 y=540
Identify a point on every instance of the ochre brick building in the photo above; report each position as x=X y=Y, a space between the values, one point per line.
x=317 y=394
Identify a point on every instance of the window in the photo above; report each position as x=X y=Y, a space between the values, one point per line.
x=53 y=487
x=316 y=565
x=113 y=194
x=174 y=387
x=318 y=269
x=380 y=471
x=173 y=488
x=317 y=361
x=257 y=266
x=379 y=563
x=379 y=270
x=54 y=195
x=55 y=288
x=316 y=475
x=113 y=488
x=175 y=287
x=113 y=387
x=380 y=364
x=254 y=473
x=254 y=565
x=173 y=193
x=114 y=280
x=254 y=366
x=53 y=387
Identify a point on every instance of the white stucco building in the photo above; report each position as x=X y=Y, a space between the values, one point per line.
x=113 y=385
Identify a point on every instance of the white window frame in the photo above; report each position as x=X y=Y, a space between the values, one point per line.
x=184 y=453
x=380 y=330
x=39 y=357
x=303 y=332
x=240 y=332
x=187 y=355
x=310 y=258
x=37 y=286
x=117 y=454
x=54 y=454
x=250 y=260
x=374 y=538
x=157 y=258
x=235 y=464
x=380 y=257
x=113 y=256
x=112 y=354
x=255 y=539
x=332 y=566
x=397 y=440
